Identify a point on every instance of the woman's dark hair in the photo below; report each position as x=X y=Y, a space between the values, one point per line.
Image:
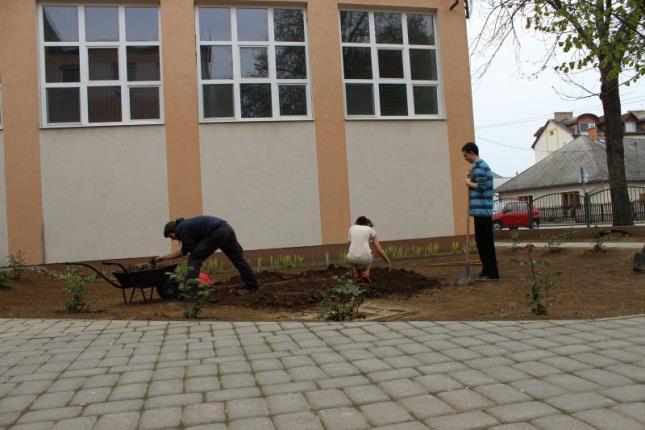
x=363 y=220
x=170 y=226
x=470 y=147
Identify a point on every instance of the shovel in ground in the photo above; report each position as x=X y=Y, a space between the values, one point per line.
x=464 y=277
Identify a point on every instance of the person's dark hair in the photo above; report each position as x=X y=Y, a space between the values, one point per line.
x=363 y=220
x=170 y=227
x=470 y=147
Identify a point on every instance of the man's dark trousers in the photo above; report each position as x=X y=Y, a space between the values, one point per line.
x=222 y=237
x=486 y=246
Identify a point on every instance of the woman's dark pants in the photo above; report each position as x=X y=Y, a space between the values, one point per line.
x=222 y=237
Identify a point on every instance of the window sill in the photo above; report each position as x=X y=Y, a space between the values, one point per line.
x=395 y=118
x=254 y=120
x=100 y=125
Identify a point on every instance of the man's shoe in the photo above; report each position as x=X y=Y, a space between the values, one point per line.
x=485 y=278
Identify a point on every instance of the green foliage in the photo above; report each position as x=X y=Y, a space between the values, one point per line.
x=432 y=249
x=554 y=241
x=17 y=263
x=194 y=292
x=600 y=236
x=341 y=258
x=4 y=279
x=259 y=265
x=213 y=267
x=327 y=259
x=342 y=302
x=76 y=283
x=472 y=246
x=540 y=280
x=455 y=248
x=396 y=252
x=515 y=237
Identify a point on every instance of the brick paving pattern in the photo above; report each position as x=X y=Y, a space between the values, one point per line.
x=76 y=374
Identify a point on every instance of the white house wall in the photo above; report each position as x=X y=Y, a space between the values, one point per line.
x=104 y=192
x=552 y=138
x=399 y=176
x=262 y=178
x=4 y=246
x=557 y=192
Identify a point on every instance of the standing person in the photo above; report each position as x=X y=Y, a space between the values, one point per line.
x=200 y=237
x=360 y=254
x=480 y=192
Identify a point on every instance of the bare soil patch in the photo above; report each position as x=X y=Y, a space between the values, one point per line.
x=591 y=285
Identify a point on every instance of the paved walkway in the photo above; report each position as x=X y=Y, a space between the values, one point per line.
x=618 y=245
x=121 y=375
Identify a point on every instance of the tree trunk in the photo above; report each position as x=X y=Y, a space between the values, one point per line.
x=610 y=96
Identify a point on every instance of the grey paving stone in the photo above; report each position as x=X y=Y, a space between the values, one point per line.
x=502 y=394
x=560 y=422
x=572 y=383
x=580 y=401
x=101 y=381
x=297 y=421
x=365 y=394
x=385 y=413
x=426 y=406
x=201 y=384
x=538 y=389
x=524 y=411
x=514 y=426
x=327 y=399
x=204 y=413
x=166 y=387
x=235 y=393
x=465 y=399
x=131 y=391
x=252 y=424
x=160 y=419
x=343 y=381
x=31 y=387
x=237 y=380
x=91 y=395
x=388 y=375
x=80 y=423
x=472 y=378
x=505 y=374
x=604 y=377
x=402 y=388
x=246 y=408
x=438 y=383
x=462 y=421
x=266 y=364
x=50 y=414
x=273 y=377
x=52 y=400
x=43 y=425
x=604 y=419
x=68 y=384
x=16 y=403
x=629 y=393
x=343 y=419
x=635 y=411
x=287 y=403
x=535 y=368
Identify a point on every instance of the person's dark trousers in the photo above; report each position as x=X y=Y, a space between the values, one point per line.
x=223 y=238
x=486 y=246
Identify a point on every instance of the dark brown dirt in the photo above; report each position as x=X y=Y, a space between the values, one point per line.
x=591 y=285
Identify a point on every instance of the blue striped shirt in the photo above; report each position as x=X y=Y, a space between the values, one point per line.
x=481 y=198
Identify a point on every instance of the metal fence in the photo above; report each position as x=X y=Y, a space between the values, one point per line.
x=569 y=208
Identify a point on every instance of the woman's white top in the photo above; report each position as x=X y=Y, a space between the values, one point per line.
x=359 y=237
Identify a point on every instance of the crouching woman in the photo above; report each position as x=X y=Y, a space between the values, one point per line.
x=361 y=235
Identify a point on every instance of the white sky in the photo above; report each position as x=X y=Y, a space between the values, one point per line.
x=509 y=105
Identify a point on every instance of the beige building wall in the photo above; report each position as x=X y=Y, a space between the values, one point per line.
x=553 y=138
x=105 y=192
x=399 y=177
x=263 y=178
x=4 y=245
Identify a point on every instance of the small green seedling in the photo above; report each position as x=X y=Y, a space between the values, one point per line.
x=341 y=303
x=76 y=283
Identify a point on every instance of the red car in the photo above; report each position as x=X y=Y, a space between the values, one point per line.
x=515 y=214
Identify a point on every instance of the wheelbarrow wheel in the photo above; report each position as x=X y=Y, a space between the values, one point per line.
x=168 y=291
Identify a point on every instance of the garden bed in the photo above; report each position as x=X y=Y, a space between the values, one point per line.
x=591 y=285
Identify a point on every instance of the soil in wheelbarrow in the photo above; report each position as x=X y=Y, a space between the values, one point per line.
x=299 y=291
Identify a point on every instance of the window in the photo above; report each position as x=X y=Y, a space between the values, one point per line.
x=389 y=64
x=253 y=64
x=585 y=126
x=571 y=199
x=630 y=127
x=100 y=65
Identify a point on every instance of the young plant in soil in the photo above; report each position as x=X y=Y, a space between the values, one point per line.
x=432 y=249
x=76 y=283
x=4 y=279
x=342 y=302
x=455 y=248
x=554 y=241
x=600 y=236
x=194 y=292
x=17 y=264
x=472 y=246
x=540 y=282
x=213 y=267
x=515 y=237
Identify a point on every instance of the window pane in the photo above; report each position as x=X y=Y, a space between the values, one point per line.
x=425 y=101
x=103 y=64
x=291 y=62
x=420 y=30
x=141 y=24
x=217 y=62
x=60 y=23
x=144 y=103
x=143 y=63
x=214 y=23
x=62 y=64
x=104 y=104
x=63 y=105
x=252 y=24
x=360 y=99
x=390 y=63
x=254 y=63
x=289 y=25
x=293 y=99
x=394 y=100
x=101 y=24
x=357 y=63
x=423 y=64
x=255 y=100
x=355 y=26
x=388 y=28
x=218 y=101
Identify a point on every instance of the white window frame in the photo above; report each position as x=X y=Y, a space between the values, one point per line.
x=407 y=73
x=85 y=82
x=272 y=79
x=630 y=126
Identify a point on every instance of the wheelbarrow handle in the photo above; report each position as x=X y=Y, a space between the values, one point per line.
x=94 y=270
x=114 y=263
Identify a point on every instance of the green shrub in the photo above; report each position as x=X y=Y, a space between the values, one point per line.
x=540 y=281
x=342 y=302
x=17 y=263
x=600 y=236
x=76 y=283
x=194 y=292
